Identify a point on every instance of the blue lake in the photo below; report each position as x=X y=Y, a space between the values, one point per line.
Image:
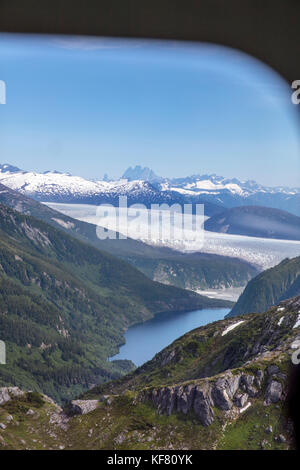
x=144 y=340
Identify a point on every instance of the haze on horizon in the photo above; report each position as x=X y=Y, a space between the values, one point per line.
x=90 y=106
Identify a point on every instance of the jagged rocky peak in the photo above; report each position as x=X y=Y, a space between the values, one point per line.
x=140 y=173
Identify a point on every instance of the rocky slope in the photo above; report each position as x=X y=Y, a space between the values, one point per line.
x=269 y=287
x=256 y=221
x=222 y=386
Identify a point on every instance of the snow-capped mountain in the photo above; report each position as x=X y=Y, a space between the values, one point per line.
x=232 y=192
x=53 y=186
x=208 y=184
x=214 y=191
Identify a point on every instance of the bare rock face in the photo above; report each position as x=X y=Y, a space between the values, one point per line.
x=224 y=389
x=247 y=384
x=203 y=405
x=273 y=369
x=169 y=358
x=163 y=399
x=168 y=400
x=240 y=399
x=197 y=398
x=221 y=398
x=273 y=393
x=185 y=398
x=226 y=392
x=4 y=395
x=259 y=377
x=82 y=407
x=7 y=393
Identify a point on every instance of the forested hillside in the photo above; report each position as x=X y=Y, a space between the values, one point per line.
x=65 y=306
x=269 y=287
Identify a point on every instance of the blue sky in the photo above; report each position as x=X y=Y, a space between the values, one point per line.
x=95 y=106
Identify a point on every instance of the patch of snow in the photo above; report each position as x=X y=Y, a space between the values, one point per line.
x=245 y=407
x=211 y=186
x=297 y=324
x=63 y=223
x=181 y=191
x=280 y=309
x=232 y=327
x=280 y=321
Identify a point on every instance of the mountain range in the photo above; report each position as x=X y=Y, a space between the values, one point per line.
x=146 y=188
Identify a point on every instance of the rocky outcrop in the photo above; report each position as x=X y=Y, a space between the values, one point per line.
x=203 y=404
x=273 y=393
x=185 y=398
x=247 y=384
x=241 y=399
x=164 y=399
x=82 y=407
x=171 y=356
x=259 y=377
x=7 y=393
x=223 y=391
x=226 y=392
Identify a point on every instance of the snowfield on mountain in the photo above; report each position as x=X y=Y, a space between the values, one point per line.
x=54 y=183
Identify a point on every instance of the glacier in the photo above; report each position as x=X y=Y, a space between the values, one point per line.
x=262 y=252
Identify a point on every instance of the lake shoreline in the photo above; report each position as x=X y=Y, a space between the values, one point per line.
x=164 y=328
